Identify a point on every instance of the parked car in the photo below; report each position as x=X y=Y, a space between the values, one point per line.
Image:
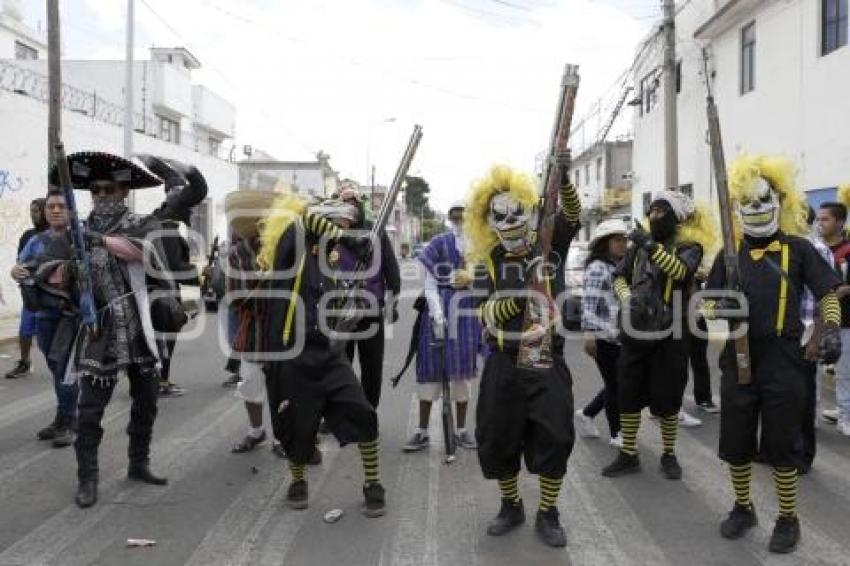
x=574 y=281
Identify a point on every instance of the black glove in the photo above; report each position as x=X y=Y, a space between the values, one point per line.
x=830 y=345
x=185 y=187
x=729 y=304
x=641 y=238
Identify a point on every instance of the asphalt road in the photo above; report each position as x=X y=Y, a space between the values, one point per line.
x=221 y=508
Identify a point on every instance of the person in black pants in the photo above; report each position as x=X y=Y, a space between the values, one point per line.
x=599 y=322
x=385 y=284
x=698 y=359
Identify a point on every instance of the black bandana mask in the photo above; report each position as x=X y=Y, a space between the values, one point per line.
x=663 y=228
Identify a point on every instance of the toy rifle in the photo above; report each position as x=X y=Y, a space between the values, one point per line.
x=537 y=353
x=730 y=252
x=351 y=310
x=82 y=267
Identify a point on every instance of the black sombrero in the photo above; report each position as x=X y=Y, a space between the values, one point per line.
x=90 y=166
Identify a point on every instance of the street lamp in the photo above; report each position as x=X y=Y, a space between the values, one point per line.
x=370 y=167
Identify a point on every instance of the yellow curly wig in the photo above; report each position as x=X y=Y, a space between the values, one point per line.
x=500 y=178
x=286 y=208
x=843 y=195
x=701 y=228
x=780 y=173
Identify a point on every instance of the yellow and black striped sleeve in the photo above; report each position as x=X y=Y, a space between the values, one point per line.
x=622 y=289
x=668 y=263
x=830 y=309
x=495 y=312
x=570 y=203
x=319 y=226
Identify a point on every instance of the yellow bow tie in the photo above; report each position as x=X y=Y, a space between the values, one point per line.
x=758 y=254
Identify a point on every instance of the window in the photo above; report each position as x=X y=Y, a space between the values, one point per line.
x=215 y=146
x=647 y=200
x=578 y=177
x=169 y=130
x=748 y=58
x=24 y=52
x=687 y=190
x=833 y=25
x=648 y=93
x=678 y=76
x=587 y=174
x=598 y=169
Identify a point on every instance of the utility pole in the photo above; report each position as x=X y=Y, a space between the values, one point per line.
x=671 y=137
x=128 y=91
x=54 y=80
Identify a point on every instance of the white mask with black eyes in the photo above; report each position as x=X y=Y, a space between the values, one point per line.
x=759 y=213
x=511 y=221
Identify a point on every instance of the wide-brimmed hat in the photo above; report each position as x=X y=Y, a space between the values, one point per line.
x=88 y=167
x=609 y=227
x=245 y=209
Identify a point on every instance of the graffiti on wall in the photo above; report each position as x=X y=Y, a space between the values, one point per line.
x=9 y=183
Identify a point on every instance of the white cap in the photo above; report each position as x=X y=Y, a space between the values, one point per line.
x=457 y=204
x=609 y=228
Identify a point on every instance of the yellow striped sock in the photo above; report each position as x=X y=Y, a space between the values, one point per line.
x=549 y=490
x=297 y=471
x=669 y=429
x=785 y=480
x=509 y=488
x=741 y=477
x=629 y=425
x=369 y=457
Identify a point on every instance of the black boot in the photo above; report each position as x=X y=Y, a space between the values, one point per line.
x=549 y=528
x=49 y=432
x=64 y=435
x=142 y=473
x=622 y=465
x=511 y=515
x=375 y=496
x=86 y=493
x=740 y=520
x=786 y=535
x=670 y=467
x=296 y=495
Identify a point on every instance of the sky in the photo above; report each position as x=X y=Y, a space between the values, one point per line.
x=352 y=77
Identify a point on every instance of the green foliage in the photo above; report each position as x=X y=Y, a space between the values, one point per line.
x=431 y=227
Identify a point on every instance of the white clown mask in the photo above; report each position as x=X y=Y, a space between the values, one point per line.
x=759 y=213
x=511 y=221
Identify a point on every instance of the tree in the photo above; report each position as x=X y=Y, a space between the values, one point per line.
x=416 y=192
x=431 y=227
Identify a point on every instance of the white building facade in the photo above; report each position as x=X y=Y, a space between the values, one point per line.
x=781 y=74
x=92 y=119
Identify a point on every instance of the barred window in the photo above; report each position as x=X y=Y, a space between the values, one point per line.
x=834 y=25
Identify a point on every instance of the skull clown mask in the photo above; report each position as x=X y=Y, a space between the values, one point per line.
x=759 y=210
x=511 y=220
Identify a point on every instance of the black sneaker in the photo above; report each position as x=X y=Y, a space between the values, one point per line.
x=549 y=527
x=49 y=432
x=670 y=467
x=296 y=495
x=168 y=389
x=786 y=535
x=740 y=520
x=622 y=465
x=231 y=381
x=65 y=433
x=375 y=505
x=417 y=442
x=511 y=515
x=21 y=369
x=708 y=407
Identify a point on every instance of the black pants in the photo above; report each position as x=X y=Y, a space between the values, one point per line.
x=318 y=383
x=607 y=354
x=371 y=351
x=807 y=437
x=524 y=413
x=165 y=371
x=776 y=398
x=144 y=387
x=653 y=374
x=698 y=357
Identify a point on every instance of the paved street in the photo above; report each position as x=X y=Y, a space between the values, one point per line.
x=221 y=508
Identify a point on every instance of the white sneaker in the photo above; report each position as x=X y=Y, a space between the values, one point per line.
x=688 y=421
x=585 y=425
x=844 y=428
x=616 y=441
x=830 y=415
